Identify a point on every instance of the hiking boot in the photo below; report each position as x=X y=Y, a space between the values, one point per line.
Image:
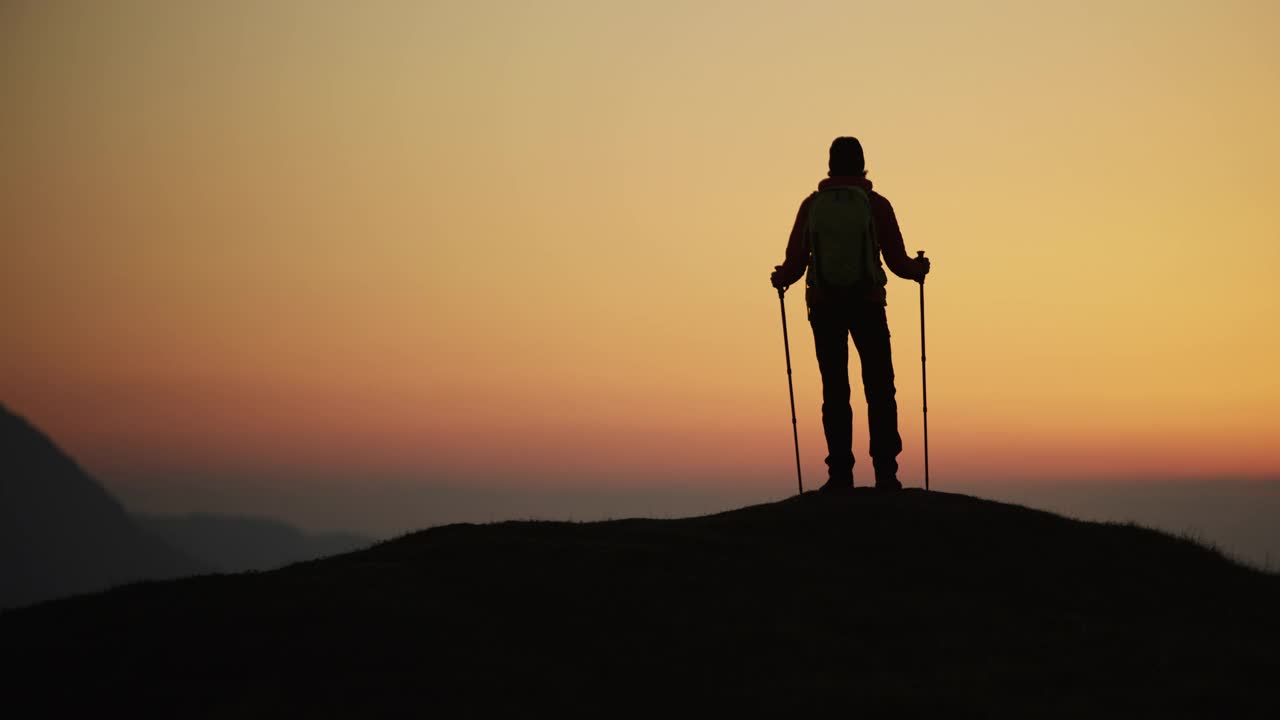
x=837 y=485
x=888 y=482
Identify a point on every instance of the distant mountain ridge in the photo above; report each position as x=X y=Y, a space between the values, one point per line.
x=905 y=604
x=63 y=533
x=231 y=543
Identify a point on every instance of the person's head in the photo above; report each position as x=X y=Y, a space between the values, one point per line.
x=846 y=157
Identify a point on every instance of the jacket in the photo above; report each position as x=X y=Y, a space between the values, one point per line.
x=888 y=235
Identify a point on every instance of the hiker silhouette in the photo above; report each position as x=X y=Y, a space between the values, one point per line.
x=840 y=233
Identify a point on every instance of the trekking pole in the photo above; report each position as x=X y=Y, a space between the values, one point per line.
x=924 y=383
x=786 y=346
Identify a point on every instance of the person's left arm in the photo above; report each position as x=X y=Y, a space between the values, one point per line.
x=797 y=257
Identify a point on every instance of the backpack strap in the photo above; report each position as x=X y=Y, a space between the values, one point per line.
x=874 y=246
x=815 y=274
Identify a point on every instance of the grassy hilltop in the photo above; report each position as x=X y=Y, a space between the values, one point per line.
x=905 y=603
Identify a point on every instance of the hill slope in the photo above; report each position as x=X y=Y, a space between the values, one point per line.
x=902 y=603
x=60 y=531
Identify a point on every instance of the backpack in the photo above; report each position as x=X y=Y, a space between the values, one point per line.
x=844 y=252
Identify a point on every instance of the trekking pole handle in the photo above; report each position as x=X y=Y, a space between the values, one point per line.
x=920 y=256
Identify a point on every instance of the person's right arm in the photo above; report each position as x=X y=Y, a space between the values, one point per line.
x=891 y=245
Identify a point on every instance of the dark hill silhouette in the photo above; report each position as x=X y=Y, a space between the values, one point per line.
x=231 y=543
x=897 y=604
x=60 y=531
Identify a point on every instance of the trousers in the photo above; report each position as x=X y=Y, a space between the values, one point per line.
x=833 y=322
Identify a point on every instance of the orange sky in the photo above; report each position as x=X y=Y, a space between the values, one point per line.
x=532 y=240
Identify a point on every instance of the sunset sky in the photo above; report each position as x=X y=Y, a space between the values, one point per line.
x=527 y=244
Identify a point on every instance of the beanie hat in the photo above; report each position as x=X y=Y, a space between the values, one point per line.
x=846 y=157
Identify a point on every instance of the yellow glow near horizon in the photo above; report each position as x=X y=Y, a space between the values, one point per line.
x=535 y=237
